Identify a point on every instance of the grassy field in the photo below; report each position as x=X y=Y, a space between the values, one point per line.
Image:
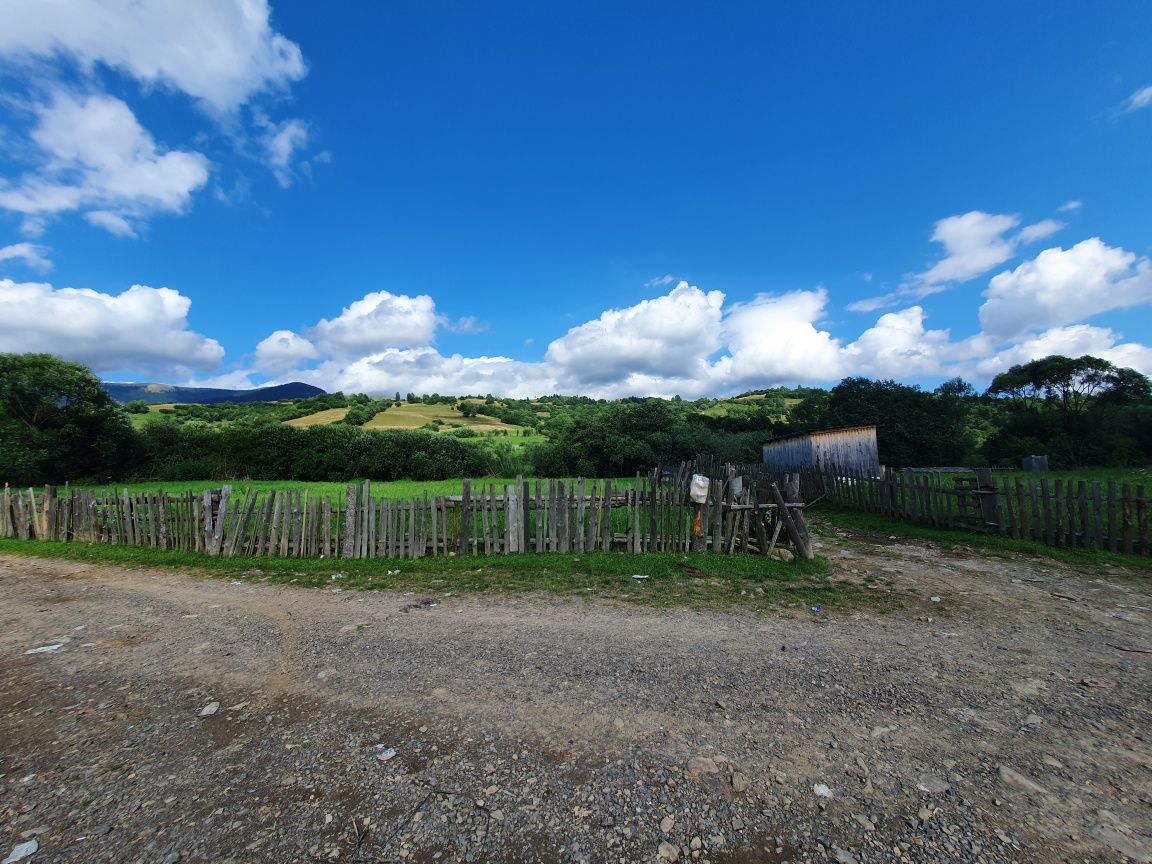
x=414 y=416
x=139 y=421
x=698 y=581
x=390 y=489
x=320 y=418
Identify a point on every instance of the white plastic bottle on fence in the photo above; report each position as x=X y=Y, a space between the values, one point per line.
x=699 y=489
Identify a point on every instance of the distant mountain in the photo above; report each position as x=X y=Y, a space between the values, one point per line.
x=160 y=393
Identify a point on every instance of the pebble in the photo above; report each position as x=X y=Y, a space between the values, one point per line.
x=740 y=782
x=1013 y=777
x=667 y=851
x=933 y=785
x=667 y=824
x=698 y=765
x=209 y=709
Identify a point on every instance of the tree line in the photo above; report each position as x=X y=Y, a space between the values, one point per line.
x=57 y=424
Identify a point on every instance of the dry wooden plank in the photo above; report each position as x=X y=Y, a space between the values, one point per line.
x=1046 y=504
x=578 y=534
x=1082 y=505
x=653 y=503
x=286 y=525
x=274 y=523
x=218 y=521
x=1071 y=514
x=509 y=516
x=1098 y=516
x=1126 y=518
x=465 y=504
x=606 y=527
x=1113 y=532
x=447 y=538
x=539 y=520
x=564 y=521
x=1023 y=515
x=412 y=533
x=1144 y=546
x=348 y=548
x=485 y=527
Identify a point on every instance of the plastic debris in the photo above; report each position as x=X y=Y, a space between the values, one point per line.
x=335 y=576
x=638 y=577
x=22 y=851
x=45 y=649
x=209 y=709
x=822 y=791
x=935 y=599
x=817 y=609
x=384 y=753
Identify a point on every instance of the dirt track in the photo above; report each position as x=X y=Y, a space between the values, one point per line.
x=1005 y=722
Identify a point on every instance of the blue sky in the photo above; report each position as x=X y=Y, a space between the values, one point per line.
x=610 y=199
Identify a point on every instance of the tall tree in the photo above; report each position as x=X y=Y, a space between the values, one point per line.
x=57 y=423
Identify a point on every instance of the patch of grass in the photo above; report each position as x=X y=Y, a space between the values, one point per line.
x=674 y=580
x=825 y=519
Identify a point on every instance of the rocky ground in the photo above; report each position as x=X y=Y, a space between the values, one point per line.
x=1002 y=714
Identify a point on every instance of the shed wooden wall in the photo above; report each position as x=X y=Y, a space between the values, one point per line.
x=848 y=450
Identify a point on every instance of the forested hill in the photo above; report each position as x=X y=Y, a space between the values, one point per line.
x=155 y=394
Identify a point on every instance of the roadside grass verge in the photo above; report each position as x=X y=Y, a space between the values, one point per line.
x=826 y=519
x=706 y=581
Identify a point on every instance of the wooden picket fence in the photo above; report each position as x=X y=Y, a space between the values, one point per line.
x=654 y=514
x=1062 y=513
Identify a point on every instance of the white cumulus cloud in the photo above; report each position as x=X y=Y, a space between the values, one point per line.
x=219 y=52
x=377 y=321
x=96 y=158
x=32 y=255
x=974 y=243
x=1064 y=286
x=142 y=328
x=426 y=370
x=775 y=338
x=283 y=350
x=899 y=346
x=669 y=336
x=1071 y=341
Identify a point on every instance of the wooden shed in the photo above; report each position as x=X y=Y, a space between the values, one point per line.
x=850 y=449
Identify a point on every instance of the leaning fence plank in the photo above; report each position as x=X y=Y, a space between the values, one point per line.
x=798 y=541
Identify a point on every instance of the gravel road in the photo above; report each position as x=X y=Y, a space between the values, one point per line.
x=1002 y=713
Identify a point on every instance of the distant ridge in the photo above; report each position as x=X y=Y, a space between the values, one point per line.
x=160 y=393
